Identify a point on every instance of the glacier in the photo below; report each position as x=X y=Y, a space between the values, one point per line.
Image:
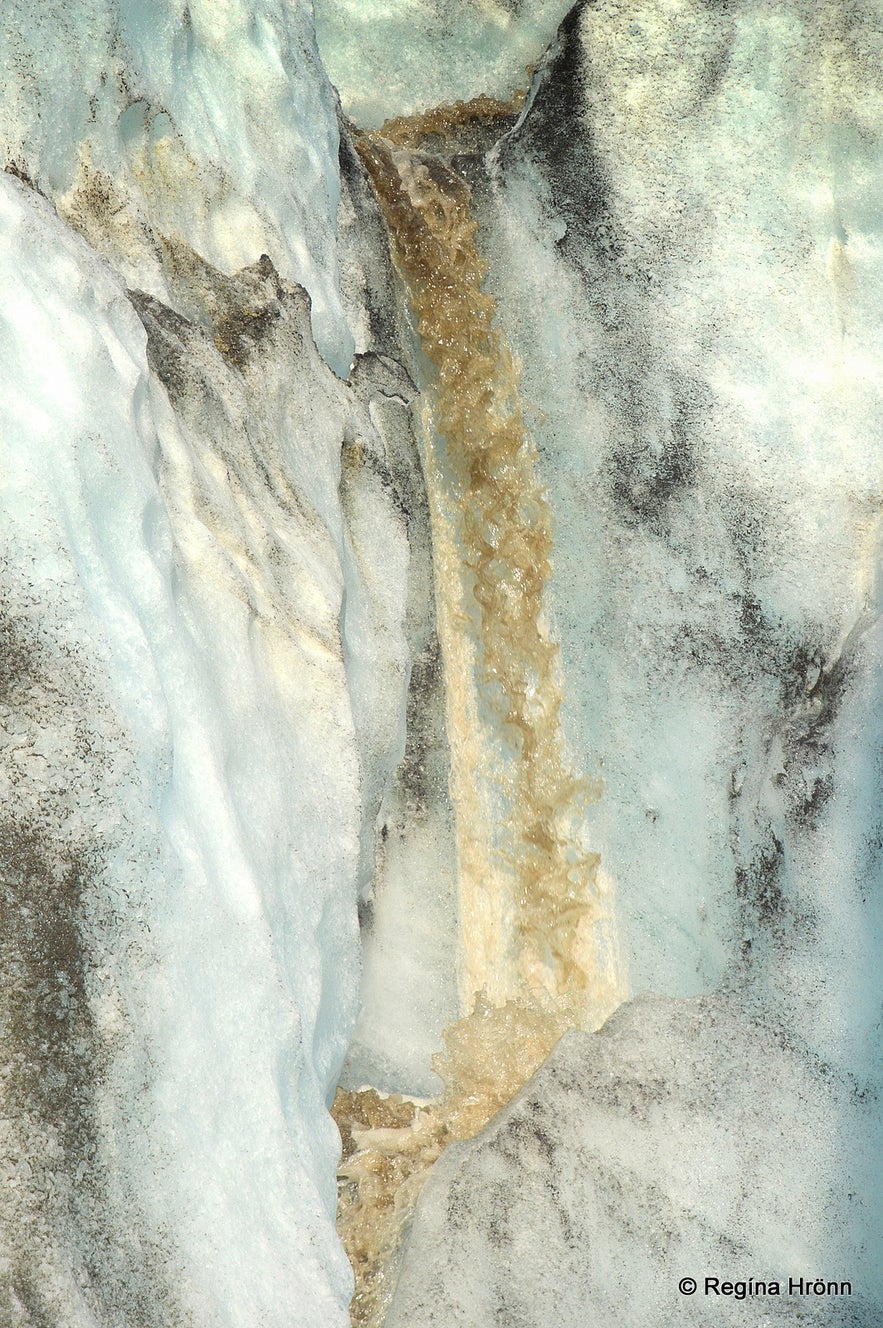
x=685 y=263
x=196 y=503
x=214 y=125
x=172 y=608
x=252 y=742
x=640 y=1160
x=398 y=57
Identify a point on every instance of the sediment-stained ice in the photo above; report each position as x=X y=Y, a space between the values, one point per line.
x=684 y=1140
x=688 y=267
x=183 y=765
x=399 y=57
x=231 y=620
x=214 y=124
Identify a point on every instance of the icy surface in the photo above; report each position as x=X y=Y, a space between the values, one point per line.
x=685 y=256
x=220 y=676
x=408 y=869
x=181 y=785
x=696 y=300
x=409 y=920
x=408 y=911
x=216 y=574
x=683 y=1140
x=396 y=57
x=210 y=123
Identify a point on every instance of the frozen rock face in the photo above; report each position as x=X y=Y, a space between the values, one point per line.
x=678 y=1142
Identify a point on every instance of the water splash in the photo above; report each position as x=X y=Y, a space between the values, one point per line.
x=390 y=1142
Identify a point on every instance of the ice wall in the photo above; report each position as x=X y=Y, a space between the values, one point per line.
x=684 y=248
x=212 y=124
x=639 y=1160
x=688 y=262
x=398 y=57
x=213 y=583
x=216 y=585
x=408 y=865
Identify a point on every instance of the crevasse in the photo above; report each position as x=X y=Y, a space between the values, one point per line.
x=535 y=922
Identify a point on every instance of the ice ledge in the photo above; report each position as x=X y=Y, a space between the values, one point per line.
x=682 y=1140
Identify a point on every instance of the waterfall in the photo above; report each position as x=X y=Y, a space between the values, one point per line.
x=536 y=925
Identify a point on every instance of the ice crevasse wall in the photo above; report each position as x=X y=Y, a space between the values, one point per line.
x=223 y=693
x=204 y=668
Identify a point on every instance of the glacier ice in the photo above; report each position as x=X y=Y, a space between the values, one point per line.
x=211 y=123
x=683 y=261
x=682 y=1140
x=173 y=607
x=408 y=865
x=205 y=670
x=195 y=509
x=226 y=671
x=709 y=429
x=398 y=57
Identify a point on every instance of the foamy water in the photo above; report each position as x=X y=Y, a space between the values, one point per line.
x=537 y=935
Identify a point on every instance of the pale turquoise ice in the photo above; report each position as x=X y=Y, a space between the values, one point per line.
x=395 y=57
x=238 y=661
x=233 y=98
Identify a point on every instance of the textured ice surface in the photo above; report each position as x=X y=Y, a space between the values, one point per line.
x=683 y=1140
x=685 y=257
x=216 y=572
x=690 y=268
x=407 y=877
x=184 y=610
x=216 y=579
x=210 y=123
x=396 y=57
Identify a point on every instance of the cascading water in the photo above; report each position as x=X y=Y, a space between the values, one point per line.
x=216 y=578
x=537 y=940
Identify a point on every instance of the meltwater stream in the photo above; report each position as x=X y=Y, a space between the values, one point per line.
x=216 y=579
x=536 y=930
